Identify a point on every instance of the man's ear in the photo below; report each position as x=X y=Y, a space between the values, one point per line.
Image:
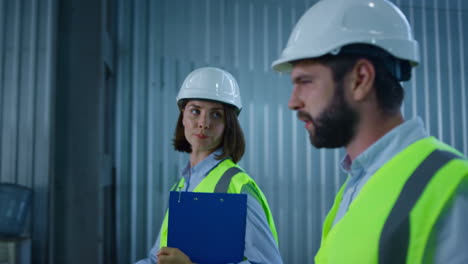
x=362 y=79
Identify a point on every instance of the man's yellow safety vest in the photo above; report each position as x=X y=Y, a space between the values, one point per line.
x=392 y=217
x=226 y=177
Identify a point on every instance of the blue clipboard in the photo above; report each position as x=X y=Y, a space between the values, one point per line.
x=208 y=227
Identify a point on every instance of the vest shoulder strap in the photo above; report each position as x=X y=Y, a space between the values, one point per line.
x=223 y=183
x=394 y=239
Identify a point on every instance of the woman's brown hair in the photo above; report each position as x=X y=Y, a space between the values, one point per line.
x=233 y=142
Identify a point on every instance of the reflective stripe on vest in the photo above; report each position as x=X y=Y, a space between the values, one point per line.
x=394 y=240
x=223 y=183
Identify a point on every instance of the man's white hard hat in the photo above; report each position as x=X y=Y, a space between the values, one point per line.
x=213 y=84
x=330 y=25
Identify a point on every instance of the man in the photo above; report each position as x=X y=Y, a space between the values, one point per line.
x=406 y=196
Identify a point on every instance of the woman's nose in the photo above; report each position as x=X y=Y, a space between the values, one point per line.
x=203 y=122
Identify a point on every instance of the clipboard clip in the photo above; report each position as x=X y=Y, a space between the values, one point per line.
x=180 y=192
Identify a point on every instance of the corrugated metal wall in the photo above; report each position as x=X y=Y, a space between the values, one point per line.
x=160 y=42
x=27 y=34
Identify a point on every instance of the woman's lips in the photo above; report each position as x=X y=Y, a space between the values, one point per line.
x=201 y=136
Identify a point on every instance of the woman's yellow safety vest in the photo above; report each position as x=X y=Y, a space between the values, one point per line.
x=392 y=217
x=225 y=177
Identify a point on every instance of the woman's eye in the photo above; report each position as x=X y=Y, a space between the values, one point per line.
x=195 y=111
x=217 y=115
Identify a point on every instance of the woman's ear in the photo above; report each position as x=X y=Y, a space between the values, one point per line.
x=362 y=79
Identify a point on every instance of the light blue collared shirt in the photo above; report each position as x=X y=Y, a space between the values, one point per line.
x=449 y=238
x=260 y=245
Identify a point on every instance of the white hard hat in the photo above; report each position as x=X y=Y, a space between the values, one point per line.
x=331 y=24
x=212 y=84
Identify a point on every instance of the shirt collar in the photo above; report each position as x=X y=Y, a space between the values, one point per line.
x=386 y=147
x=202 y=168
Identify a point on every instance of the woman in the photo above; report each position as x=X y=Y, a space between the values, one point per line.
x=208 y=129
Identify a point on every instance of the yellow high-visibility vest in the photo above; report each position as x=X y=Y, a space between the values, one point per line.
x=234 y=184
x=392 y=217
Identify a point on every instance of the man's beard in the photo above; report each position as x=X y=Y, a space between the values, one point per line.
x=335 y=127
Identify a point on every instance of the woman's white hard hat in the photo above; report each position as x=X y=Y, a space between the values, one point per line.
x=210 y=83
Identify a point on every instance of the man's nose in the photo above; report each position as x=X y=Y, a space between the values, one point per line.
x=294 y=102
